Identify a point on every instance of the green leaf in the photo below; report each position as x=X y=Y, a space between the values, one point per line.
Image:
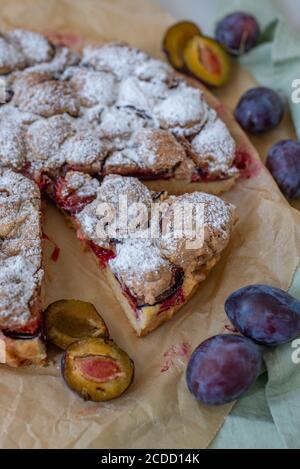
x=269 y=33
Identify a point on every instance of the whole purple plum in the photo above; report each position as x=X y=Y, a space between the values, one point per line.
x=284 y=164
x=223 y=368
x=267 y=315
x=238 y=32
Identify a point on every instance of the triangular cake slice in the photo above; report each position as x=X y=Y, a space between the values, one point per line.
x=153 y=273
x=21 y=272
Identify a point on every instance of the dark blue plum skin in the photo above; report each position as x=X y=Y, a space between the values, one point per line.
x=259 y=110
x=283 y=163
x=267 y=315
x=223 y=369
x=238 y=32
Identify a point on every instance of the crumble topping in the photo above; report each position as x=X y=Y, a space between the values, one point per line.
x=212 y=230
x=140 y=266
x=214 y=149
x=94 y=88
x=117 y=58
x=113 y=98
x=121 y=122
x=83 y=149
x=35 y=47
x=155 y=70
x=153 y=150
x=10 y=58
x=45 y=97
x=63 y=58
x=184 y=111
x=12 y=145
x=44 y=140
x=112 y=193
x=80 y=183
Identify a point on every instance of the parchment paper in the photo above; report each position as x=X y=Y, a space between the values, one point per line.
x=36 y=408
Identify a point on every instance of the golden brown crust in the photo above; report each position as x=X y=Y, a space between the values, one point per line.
x=16 y=353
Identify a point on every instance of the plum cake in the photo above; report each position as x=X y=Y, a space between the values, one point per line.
x=111 y=110
x=84 y=130
x=21 y=271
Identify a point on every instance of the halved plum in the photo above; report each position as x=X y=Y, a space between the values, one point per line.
x=68 y=321
x=175 y=40
x=207 y=60
x=97 y=369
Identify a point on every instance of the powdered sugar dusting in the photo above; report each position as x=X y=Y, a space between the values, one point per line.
x=81 y=184
x=10 y=57
x=214 y=148
x=12 y=145
x=216 y=226
x=84 y=148
x=94 y=88
x=44 y=140
x=46 y=97
x=152 y=150
x=117 y=58
x=113 y=95
x=184 y=111
x=34 y=46
x=140 y=266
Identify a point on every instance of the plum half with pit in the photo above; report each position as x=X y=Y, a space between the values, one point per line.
x=259 y=110
x=238 y=32
x=67 y=321
x=283 y=163
x=175 y=40
x=223 y=368
x=267 y=315
x=207 y=61
x=97 y=369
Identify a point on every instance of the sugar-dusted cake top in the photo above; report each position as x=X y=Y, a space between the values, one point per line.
x=114 y=110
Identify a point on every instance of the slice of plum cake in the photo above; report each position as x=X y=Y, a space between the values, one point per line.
x=21 y=271
x=152 y=269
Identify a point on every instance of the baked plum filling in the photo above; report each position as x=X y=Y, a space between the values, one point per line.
x=32 y=330
x=104 y=255
x=142 y=174
x=174 y=296
x=201 y=175
x=247 y=166
x=71 y=203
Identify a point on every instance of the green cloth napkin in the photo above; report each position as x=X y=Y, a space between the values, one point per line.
x=269 y=416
